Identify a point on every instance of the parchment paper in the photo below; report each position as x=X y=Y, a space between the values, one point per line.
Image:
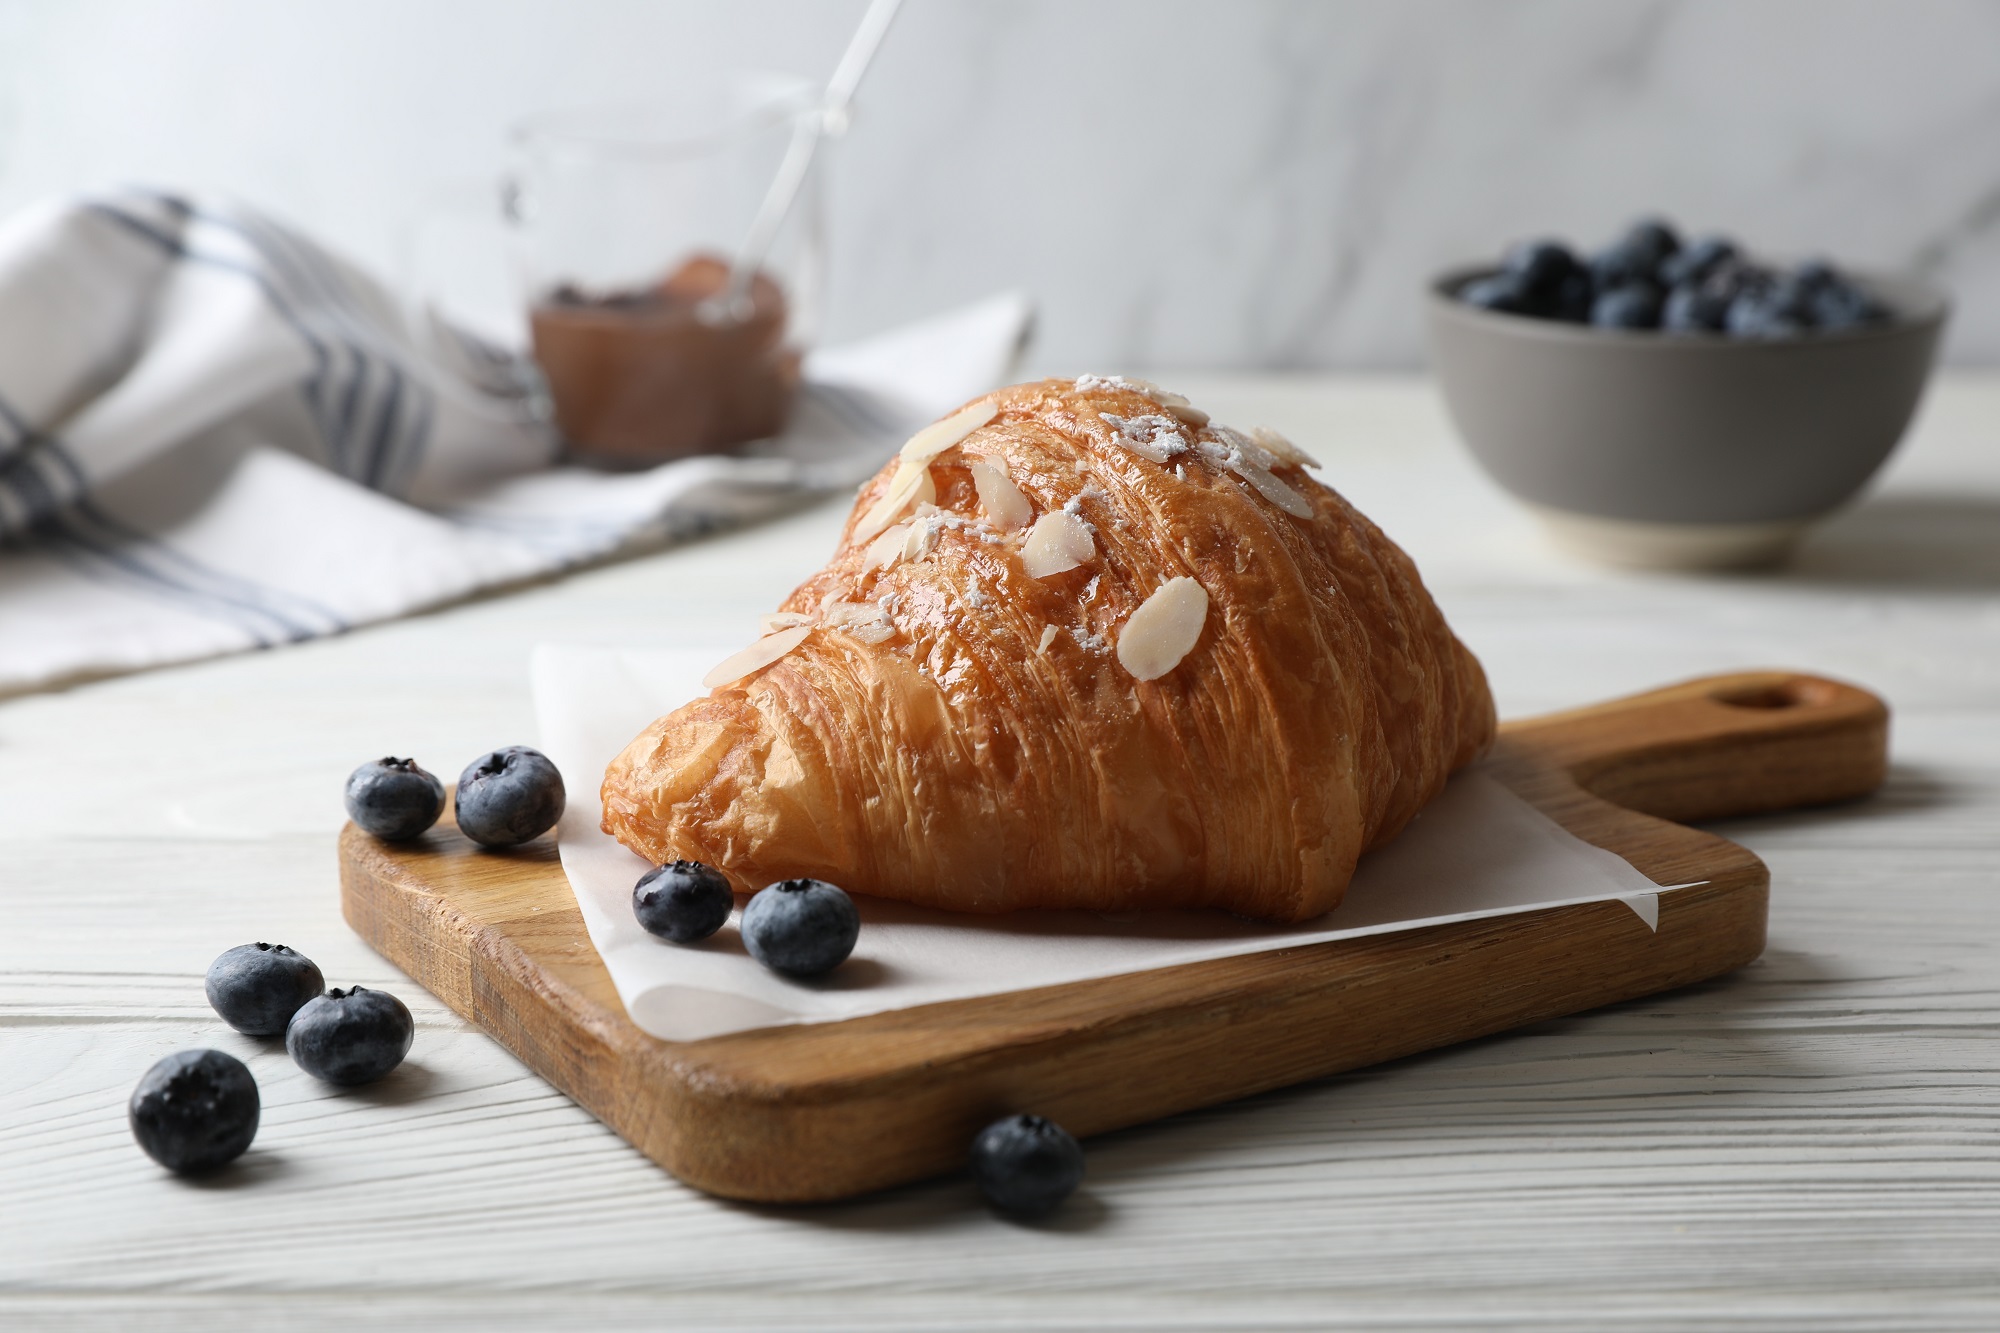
x=1477 y=851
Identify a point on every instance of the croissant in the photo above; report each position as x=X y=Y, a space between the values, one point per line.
x=1078 y=647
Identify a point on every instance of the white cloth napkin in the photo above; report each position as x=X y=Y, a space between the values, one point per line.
x=215 y=436
x=1476 y=851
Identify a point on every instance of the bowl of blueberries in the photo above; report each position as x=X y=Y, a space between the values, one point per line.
x=1675 y=403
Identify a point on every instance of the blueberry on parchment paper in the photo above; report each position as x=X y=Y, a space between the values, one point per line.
x=800 y=927
x=682 y=901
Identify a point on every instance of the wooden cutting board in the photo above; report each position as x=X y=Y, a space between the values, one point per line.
x=817 y=1112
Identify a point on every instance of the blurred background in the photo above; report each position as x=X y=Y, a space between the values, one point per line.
x=1259 y=184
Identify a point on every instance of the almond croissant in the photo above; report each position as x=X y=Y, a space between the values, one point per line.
x=1077 y=648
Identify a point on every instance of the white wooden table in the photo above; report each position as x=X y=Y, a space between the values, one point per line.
x=1812 y=1143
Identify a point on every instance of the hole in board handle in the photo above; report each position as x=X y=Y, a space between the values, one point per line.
x=1787 y=694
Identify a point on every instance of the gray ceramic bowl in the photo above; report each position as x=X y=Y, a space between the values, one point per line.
x=1644 y=448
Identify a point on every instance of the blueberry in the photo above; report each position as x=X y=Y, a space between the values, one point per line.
x=1834 y=301
x=683 y=901
x=1697 y=260
x=1762 y=313
x=350 y=1036
x=509 y=796
x=1654 y=234
x=1789 y=299
x=258 y=987
x=1635 y=256
x=1026 y=1165
x=1636 y=305
x=394 y=799
x=1542 y=265
x=1732 y=278
x=800 y=927
x=1690 y=308
x=1574 y=296
x=1842 y=305
x=195 y=1111
x=1505 y=292
x=1814 y=274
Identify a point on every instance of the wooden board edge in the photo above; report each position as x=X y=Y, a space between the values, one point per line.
x=1226 y=1029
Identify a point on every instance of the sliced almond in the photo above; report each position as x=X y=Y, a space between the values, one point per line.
x=916 y=454
x=1176 y=403
x=778 y=620
x=922 y=537
x=906 y=489
x=1236 y=446
x=887 y=548
x=1048 y=637
x=1058 y=541
x=1274 y=490
x=1001 y=499
x=865 y=621
x=941 y=435
x=840 y=613
x=1164 y=629
x=1253 y=462
x=1286 y=451
x=757 y=656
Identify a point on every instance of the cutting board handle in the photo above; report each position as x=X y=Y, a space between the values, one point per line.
x=1719 y=746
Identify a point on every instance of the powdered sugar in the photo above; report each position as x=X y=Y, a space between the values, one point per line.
x=1150 y=436
x=1090 y=642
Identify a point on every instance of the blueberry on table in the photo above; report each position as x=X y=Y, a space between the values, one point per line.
x=509 y=796
x=394 y=799
x=1636 y=305
x=1505 y=292
x=195 y=1111
x=1026 y=1165
x=682 y=901
x=258 y=987
x=800 y=927
x=350 y=1036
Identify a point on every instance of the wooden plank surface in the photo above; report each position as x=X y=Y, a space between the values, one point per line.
x=826 y=1111
x=1810 y=1143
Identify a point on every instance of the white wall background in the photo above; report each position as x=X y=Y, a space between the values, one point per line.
x=1245 y=183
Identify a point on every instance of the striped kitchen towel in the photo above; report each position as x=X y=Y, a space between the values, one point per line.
x=215 y=436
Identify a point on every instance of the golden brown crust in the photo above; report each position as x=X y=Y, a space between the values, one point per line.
x=954 y=764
